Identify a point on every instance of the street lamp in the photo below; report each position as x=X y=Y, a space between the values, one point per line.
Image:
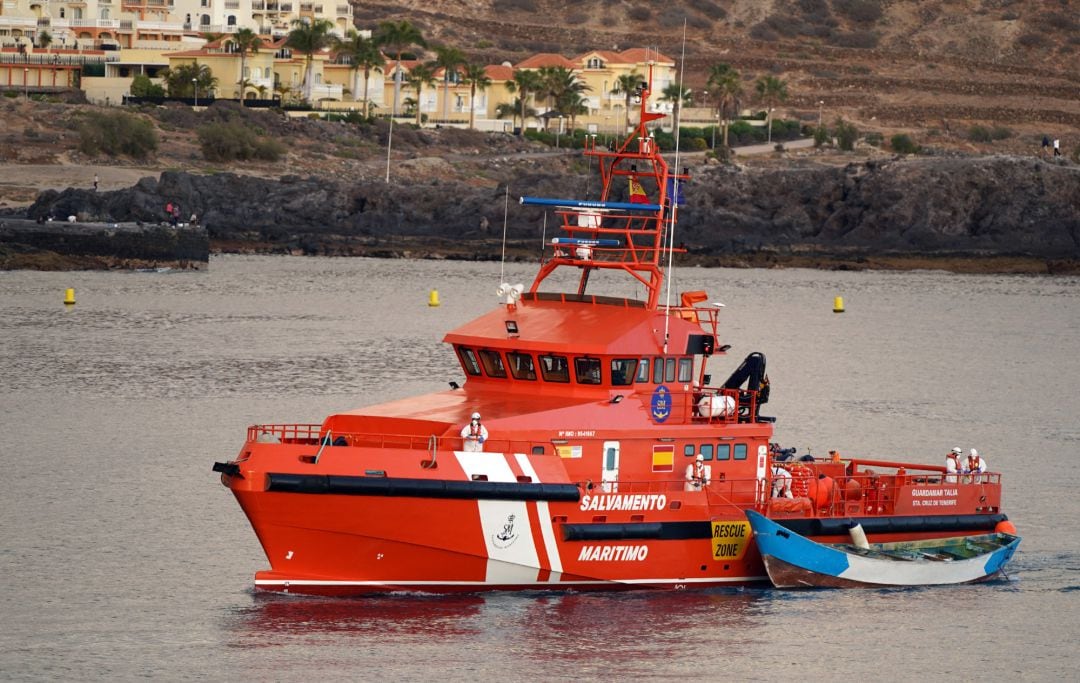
x=26 y=83
x=768 y=123
x=195 y=85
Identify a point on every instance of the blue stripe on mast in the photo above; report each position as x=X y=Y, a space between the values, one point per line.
x=585 y=204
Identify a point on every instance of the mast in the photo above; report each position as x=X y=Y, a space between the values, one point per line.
x=618 y=235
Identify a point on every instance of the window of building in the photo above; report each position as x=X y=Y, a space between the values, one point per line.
x=61 y=12
x=468 y=361
x=205 y=3
x=686 y=369
x=521 y=365
x=204 y=20
x=105 y=14
x=493 y=364
x=594 y=63
x=643 y=371
x=266 y=73
x=723 y=451
x=740 y=451
x=587 y=370
x=622 y=371
x=706 y=451
x=231 y=21
x=554 y=369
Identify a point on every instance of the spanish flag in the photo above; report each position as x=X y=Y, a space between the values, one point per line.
x=637 y=193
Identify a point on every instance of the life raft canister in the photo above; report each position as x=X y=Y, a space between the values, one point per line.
x=800 y=481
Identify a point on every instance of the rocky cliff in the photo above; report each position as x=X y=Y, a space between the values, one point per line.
x=975 y=206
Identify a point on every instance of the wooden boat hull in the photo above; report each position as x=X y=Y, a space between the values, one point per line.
x=793 y=561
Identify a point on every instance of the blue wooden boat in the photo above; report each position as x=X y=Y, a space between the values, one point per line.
x=794 y=561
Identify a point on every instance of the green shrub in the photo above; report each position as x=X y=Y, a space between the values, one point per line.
x=821 y=136
x=979 y=134
x=236 y=142
x=117 y=133
x=846 y=134
x=875 y=138
x=142 y=86
x=903 y=144
x=11 y=94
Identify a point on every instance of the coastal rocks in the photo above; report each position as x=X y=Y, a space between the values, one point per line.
x=968 y=205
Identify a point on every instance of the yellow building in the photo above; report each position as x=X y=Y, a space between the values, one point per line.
x=599 y=70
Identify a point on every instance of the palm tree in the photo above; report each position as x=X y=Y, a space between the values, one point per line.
x=563 y=88
x=395 y=36
x=246 y=41
x=573 y=104
x=283 y=90
x=627 y=85
x=679 y=96
x=512 y=110
x=725 y=84
x=310 y=37
x=771 y=91
x=419 y=76
x=179 y=80
x=44 y=40
x=450 y=59
x=525 y=82
x=363 y=53
x=477 y=78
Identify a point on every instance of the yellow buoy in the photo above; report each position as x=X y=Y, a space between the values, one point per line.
x=433 y=298
x=838 y=305
x=69 y=296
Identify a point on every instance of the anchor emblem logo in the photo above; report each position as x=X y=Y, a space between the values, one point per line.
x=506 y=537
x=661 y=403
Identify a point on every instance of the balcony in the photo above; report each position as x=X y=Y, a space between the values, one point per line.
x=258 y=5
x=232 y=4
x=307 y=6
x=344 y=10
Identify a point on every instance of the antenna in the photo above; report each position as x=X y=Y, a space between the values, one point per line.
x=506 y=211
x=673 y=200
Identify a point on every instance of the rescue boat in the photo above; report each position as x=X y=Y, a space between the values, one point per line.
x=611 y=460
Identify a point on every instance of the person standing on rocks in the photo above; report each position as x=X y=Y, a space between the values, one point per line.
x=1045 y=146
x=1057 y=147
x=96 y=181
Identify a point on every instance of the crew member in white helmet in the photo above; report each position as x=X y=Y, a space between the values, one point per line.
x=474 y=434
x=975 y=464
x=953 y=465
x=698 y=475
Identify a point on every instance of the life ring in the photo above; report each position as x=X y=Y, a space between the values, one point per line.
x=800 y=481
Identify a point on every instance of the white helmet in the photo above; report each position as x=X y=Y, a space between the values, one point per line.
x=700 y=457
x=957 y=450
x=476 y=416
x=974 y=453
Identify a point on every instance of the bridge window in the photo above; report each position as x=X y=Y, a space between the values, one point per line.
x=622 y=371
x=521 y=365
x=686 y=369
x=468 y=361
x=643 y=371
x=669 y=370
x=587 y=370
x=723 y=451
x=688 y=450
x=706 y=451
x=554 y=369
x=740 y=451
x=658 y=371
x=493 y=364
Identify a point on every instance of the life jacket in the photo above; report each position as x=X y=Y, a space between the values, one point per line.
x=975 y=464
x=800 y=481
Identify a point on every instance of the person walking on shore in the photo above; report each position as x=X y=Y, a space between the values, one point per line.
x=96 y=181
x=1057 y=147
x=1045 y=147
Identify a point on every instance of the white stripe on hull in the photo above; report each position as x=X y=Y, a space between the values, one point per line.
x=546 y=528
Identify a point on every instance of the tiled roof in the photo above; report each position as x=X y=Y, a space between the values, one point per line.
x=546 y=59
x=498 y=72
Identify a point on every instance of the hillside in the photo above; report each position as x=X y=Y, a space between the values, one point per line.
x=932 y=68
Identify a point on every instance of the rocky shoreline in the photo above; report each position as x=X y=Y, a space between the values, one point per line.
x=970 y=214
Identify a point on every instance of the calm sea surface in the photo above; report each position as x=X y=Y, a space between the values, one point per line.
x=123 y=557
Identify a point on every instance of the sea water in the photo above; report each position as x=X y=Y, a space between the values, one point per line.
x=123 y=556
